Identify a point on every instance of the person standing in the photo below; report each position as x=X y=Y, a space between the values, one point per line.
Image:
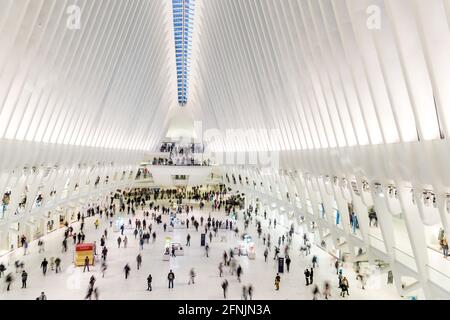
x=2 y=269
x=340 y=277
x=24 y=279
x=244 y=292
x=125 y=242
x=277 y=281
x=361 y=278
x=344 y=287
x=188 y=240
x=103 y=268
x=92 y=281
x=44 y=264
x=311 y=274
x=104 y=253
x=444 y=244
x=171 y=277
x=316 y=292
x=25 y=247
x=192 y=276
x=41 y=246
x=225 y=288
x=52 y=263
x=86 y=264
x=119 y=241
x=288 y=262
x=225 y=257
x=326 y=290
x=149 y=282
x=139 y=261
x=9 y=280
x=64 y=245
x=306 y=273
x=250 y=291
x=127 y=270
x=239 y=272
x=314 y=261
x=266 y=253
x=57 y=264
x=220 y=269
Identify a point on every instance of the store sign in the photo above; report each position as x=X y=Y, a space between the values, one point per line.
x=84 y=247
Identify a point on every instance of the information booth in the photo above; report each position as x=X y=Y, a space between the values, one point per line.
x=179 y=251
x=82 y=251
x=246 y=247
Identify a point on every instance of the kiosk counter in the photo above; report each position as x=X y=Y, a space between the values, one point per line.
x=81 y=251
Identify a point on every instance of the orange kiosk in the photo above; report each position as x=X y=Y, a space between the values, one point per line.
x=81 y=251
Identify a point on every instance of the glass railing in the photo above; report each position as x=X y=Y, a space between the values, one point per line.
x=184 y=162
x=377 y=243
x=406 y=259
x=439 y=278
x=357 y=233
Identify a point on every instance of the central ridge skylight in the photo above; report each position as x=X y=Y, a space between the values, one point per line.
x=183 y=20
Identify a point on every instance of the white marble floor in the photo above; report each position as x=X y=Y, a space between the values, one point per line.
x=72 y=283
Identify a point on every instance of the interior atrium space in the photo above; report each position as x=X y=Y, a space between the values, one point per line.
x=229 y=150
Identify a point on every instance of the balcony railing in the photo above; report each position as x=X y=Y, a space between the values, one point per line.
x=405 y=259
x=439 y=278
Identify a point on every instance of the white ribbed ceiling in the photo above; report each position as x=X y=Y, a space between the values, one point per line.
x=315 y=70
x=109 y=83
x=311 y=69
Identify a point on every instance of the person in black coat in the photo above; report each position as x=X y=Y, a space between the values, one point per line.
x=307 y=274
x=288 y=262
x=44 y=266
x=24 y=279
x=127 y=270
x=171 y=277
x=149 y=282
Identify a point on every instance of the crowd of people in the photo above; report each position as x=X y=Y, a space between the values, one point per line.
x=181 y=154
x=155 y=217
